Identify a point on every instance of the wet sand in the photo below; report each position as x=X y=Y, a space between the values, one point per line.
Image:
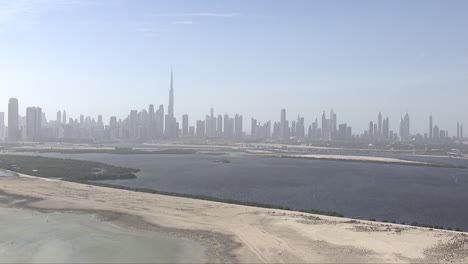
x=71 y=237
x=234 y=233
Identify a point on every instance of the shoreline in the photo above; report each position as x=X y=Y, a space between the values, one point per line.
x=356 y=158
x=219 y=247
x=247 y=234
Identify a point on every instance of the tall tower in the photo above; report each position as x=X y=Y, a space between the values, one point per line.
x=170 y=111
x=171 y=130
x=430 y=127
x=283 y=133
x=33 y=123
x=379 y=128
x=13 y=133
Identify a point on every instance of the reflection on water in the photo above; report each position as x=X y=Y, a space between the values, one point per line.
x=30 y=236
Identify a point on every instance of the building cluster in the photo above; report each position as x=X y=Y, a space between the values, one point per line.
x=152 y=124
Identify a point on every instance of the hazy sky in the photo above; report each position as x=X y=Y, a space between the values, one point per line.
x=248 y=57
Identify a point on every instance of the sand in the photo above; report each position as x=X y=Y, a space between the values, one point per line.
x=238 y=233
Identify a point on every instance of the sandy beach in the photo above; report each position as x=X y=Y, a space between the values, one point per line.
x=235 y=233
x=343 y=158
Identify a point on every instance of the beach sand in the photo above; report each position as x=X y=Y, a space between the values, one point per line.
x=235 y=233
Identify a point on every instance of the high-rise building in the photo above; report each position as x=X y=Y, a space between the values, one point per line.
x=238 y=126
x=379 y=127
x=151 y=122
x=436 y=132
x=33 y=123
x=171 y=126
x=13 y=120
x=371 y=129
x=284 y=125
x=185 y=125
x=220 y=126
x=160 y=121
x=59 y=117
x=385 y=128
x=326 y=124
x=332 y=125
x=133 y=124
x=430 y=128
x=405 y=128
x=458 y=130
x=64 y=117
x=200 y=133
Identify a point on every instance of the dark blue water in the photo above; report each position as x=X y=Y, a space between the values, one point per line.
x=431 y=195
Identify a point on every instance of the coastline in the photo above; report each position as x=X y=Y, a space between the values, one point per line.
x=236 y=233
x=356 y=158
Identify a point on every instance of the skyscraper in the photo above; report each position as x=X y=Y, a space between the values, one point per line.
x=332 y=125
x=379 y=128
x=13 y=133
x=238 y=126
x=430 y=128
x=170 y=109
x=284 y=125
x=405 y=128
x=33 y=123
x=171 y=126
x=59 y=117
x=185 y=126
x=152 y=122
x=160 y=121
x=220 y=126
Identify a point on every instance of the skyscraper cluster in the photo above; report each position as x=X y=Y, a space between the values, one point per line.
x=152 y=123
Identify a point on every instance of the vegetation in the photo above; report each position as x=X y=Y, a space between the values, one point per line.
x=213 y=153
x=414 y=223
x=68 y=169
x=89 y=172
x=223 y=161
x=319 y=212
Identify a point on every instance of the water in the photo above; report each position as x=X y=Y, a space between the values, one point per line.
x=29 y=236
x=4 y=173
x=431 y=195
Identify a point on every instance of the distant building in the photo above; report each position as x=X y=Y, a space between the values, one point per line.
x=33 y=123
x=430 y=128
x=405 y=128
x=379 y=127
x=185 y=125
x=13 y=120
x=238 y=126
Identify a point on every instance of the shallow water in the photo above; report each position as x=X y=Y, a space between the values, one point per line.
x=5 y=173
x=30 y=236
x=431 y=195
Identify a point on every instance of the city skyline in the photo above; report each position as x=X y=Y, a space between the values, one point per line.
x=248 y=57
x=150 y=124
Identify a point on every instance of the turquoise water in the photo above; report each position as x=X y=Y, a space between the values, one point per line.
x=30 y=236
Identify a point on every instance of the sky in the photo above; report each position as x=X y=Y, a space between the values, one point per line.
x=250 y=57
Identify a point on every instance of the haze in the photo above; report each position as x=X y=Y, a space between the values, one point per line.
x=247 y=57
